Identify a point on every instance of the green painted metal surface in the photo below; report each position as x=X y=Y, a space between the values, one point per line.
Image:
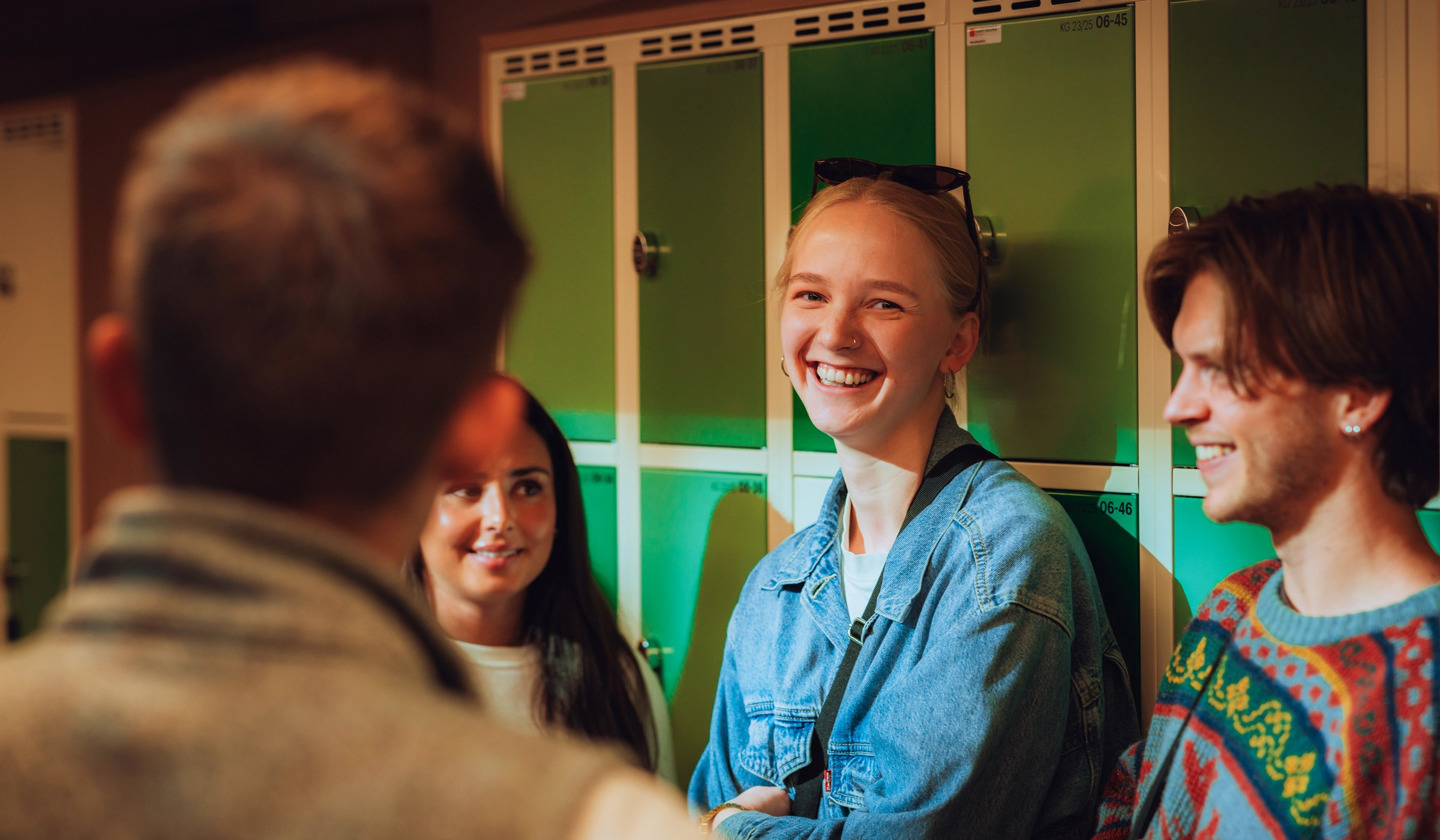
x=1109 y=525
x=1207 y=553
x=701 y=535
x=872 y=99
x=1264 y=97
x=1051 y=147
x=558 y=158
x=597 y=488
x=38 y=486
x=702 y=313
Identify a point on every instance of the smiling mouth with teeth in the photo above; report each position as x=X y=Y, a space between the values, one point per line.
x=837 y=376
x=1208 y=451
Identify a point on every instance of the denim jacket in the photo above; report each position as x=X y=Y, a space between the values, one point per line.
x=989 y=698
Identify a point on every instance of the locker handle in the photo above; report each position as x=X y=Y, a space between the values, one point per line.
x=650 y=652
x=1182 y=219
x=992 y=240
x=645 y=253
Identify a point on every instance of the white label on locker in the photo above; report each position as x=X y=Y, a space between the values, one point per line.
x=512 y=91
x=982 y=35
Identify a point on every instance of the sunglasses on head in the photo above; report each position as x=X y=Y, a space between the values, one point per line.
x=927 y=178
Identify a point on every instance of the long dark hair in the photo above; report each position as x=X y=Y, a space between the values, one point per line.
x=590 y=682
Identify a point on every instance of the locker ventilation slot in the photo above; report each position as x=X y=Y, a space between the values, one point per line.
x=697 y=41
x=34 y=129
x=568 y=58
x=867 y=19
x=982 y=8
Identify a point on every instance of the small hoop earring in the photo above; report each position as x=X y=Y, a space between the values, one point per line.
x=949 y=380
x=782 y=367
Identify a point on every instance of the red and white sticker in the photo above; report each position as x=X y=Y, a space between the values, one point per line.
x=512 y=91
x=982 y=34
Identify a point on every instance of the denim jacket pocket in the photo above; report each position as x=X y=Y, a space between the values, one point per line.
x=1080 y=751
x=854 y=772
x=778 y=740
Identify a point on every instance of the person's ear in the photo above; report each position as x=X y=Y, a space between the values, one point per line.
x=115 y=362
x=963 y=344
x=487 y=415
x=1360 y=407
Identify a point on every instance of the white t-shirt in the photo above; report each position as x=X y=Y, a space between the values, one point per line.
x=506 y=678
x=859 y=572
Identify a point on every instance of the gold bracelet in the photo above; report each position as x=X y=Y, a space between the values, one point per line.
x=707 y=822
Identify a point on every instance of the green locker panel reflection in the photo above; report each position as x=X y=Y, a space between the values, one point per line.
x=597 y=488
x=558 y=167
x=1050 y=122
x=702 y=309
x=887 y=114
x=1109 y=525
x=1264 y=97
x=701 y=534
x=1206 y=553
x=37 y=484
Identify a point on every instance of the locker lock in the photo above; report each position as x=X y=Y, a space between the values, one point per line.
x=645 y=251
x=1182 y=219
x=992 y=241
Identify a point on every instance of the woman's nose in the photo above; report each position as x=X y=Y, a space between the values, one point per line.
x=494 y=511
x=839 y=332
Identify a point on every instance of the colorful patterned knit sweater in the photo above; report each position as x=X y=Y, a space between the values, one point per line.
x=1302 y=726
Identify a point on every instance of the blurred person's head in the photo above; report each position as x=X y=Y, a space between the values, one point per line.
x=1307 y=325
x=312 y=265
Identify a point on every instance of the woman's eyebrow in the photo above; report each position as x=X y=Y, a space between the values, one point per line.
x=516 y=473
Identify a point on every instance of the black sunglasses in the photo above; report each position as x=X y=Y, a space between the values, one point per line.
x=927 y=178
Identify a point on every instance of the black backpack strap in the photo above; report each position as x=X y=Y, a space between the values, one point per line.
x=811 y=781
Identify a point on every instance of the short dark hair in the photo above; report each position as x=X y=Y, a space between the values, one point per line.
x=317 y=263
x=1334 y=286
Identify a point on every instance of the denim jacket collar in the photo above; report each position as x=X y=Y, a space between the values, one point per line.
x=902 y=580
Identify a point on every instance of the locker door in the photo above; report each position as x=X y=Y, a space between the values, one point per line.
x=597 y=488
x=872 y=99
x=701 y=194
x=558 y=168
x=1207 y=553
x=1050 y=122
x=1264 y=97
x=38 y=481
x=1109 y=525
x=703 y=533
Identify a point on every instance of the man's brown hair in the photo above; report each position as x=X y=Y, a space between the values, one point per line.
x=317 y=264
x=1331 y=285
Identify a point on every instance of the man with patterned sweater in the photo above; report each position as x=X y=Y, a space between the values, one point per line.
x=1302 y=700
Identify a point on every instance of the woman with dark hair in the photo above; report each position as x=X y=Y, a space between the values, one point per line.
x=505 y=566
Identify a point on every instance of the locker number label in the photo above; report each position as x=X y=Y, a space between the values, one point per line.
x=982 y=35
x=1090 y=24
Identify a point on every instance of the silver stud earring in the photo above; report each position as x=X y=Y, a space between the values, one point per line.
x=1353 y=431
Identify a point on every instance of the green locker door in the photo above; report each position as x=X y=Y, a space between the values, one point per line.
x=1207 y=553
x=1109 y=525
x=702 y=311
x=872 y=99
x=702 y=534
x=1264 y=97
x=597 y=489
x=1050 y=122
x=38 y=484
x=559 y=177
